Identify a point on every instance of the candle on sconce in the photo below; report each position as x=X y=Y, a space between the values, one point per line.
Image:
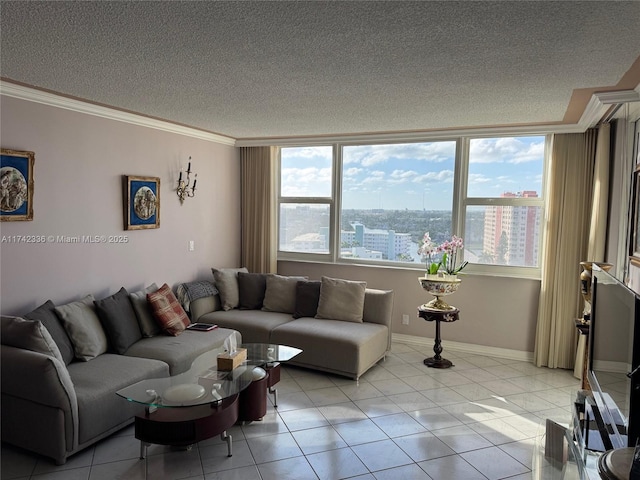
x=194 y=185
x=180 y=178
x=189 y=168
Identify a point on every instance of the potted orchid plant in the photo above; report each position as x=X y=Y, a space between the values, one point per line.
x=441 y=259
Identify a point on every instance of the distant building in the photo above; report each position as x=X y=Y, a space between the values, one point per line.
x=360 y=252
x=309 y=242
x=510 y=233
x=392 y=245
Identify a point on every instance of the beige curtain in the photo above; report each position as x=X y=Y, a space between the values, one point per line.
x=568 y=221
x=600 y=204
x=259 y=208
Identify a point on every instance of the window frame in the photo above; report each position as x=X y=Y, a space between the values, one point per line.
x=329 y=201
x=458 y=213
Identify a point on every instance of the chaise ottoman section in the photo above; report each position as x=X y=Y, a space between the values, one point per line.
x=345 y=348
x=255 y=325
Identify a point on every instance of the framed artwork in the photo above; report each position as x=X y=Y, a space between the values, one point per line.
x=634 y=241
x=16 y=185
x=141 y=202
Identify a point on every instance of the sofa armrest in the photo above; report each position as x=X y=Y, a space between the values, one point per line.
x=204 y=305
x=40 y=379
x=378 y=308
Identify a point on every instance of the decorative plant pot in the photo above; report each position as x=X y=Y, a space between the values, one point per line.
x=439 y=286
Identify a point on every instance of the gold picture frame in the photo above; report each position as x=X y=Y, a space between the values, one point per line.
x=141 y=202
x=16 y=185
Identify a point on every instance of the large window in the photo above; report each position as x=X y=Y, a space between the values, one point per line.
x=306 y=199
x=504 y=201
x=391 y=195
x=372 y=203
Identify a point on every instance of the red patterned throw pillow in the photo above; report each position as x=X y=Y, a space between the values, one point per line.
x=168 y=312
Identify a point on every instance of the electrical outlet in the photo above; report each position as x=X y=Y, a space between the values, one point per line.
x=192 y=245
x=405 y=319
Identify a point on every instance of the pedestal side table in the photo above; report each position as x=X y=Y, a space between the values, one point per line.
x=438 y=316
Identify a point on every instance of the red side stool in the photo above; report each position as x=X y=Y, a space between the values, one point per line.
x=253 y=399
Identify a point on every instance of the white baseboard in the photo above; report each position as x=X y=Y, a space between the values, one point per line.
x=611 y=367
x=466 y=347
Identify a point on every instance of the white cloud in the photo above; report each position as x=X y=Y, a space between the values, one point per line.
x=403 y=174
x=443 y=176
x=368 y=155
x=352 y=172
x=505 y=150
x=475 y=178
x=306 y=182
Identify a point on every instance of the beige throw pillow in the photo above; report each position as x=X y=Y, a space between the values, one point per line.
x=280 y=295
x=84 y=328
x=226 y=280
x=30 y=335
x=341 y=300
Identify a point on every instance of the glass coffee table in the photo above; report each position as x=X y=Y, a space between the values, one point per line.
x=203 y=402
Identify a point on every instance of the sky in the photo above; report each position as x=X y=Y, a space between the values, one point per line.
x=414 y=176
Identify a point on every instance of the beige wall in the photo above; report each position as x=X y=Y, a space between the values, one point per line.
x=79 y=163
x=494 y=311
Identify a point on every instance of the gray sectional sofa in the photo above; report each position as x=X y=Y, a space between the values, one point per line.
x=55 y=404
x=347 y=338
x=61 y=366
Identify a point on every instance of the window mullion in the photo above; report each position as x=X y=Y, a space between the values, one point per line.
x=337 y=203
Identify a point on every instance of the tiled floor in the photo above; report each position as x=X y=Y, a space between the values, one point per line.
x=478 y=420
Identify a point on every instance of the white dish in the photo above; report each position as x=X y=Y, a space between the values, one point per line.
x=184 y=392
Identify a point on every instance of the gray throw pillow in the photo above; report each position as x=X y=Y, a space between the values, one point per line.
x=148 y=325
x=341 y=300
x=84 y=328
x=118 y=320
x=30 y=335
x=46 y=313
x=251 y=288
x=226 y=280
x=280 y=295
x=307 y=298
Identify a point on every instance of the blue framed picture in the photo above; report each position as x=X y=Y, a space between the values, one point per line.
x=16 y=185
x=141 y=202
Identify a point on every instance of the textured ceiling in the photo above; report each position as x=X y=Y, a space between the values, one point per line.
x=265 y=69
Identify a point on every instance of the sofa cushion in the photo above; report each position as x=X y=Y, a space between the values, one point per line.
x=180 y=352
x=307 y=298
x=28 y=334
x=168 y=311
x=341 y=299
x=118 y=320
x=280 y=295
x=226 y=280
x=255 y=325
x=83 y=327
x=251 y=290
x=46 y=313
x=148 y=325
x=96 y=384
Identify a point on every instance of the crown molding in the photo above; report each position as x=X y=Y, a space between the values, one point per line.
x=602 y=101
x=60 y=101
x=409 y=136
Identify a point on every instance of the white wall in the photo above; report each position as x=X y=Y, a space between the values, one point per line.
x=79 y=162
x=494 y=311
